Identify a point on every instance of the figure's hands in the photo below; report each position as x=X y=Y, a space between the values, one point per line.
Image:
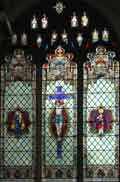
x=23 y=126
x=12 y=126
x=59 y=139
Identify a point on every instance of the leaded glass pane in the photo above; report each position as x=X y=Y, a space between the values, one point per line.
x=59 y=117
x=101 y=120
x=17 y=119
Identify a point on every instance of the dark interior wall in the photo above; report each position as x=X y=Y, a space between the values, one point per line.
x=110 y=9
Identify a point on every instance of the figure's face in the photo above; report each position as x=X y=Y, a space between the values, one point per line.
x=58 y=105
x=17 y=113
x=101 y=110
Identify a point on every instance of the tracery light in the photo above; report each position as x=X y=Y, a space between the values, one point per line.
x=59 y=7
x=105 y=35
x=24 y=39
x=79 y=39
x=53 y=37
x=14 y=39
x=39 y=41
x=65 y=37
x=95 y=36
x=44 y=21
x=74 y=20
x=34 y=23
x=84 y=19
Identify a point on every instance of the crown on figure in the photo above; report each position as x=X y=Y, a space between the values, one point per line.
x=101 y=108
x=100 y=50
x=59 y=52
x=100 y=55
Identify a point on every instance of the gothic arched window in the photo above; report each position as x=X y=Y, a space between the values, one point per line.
x=59 y=111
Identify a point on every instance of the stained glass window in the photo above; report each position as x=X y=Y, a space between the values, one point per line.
x=100 y=111
x=59 y=116
x=17 y=123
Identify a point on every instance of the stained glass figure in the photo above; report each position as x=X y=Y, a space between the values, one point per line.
x=101 y=120
x=18 y=122
x=59 y=124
